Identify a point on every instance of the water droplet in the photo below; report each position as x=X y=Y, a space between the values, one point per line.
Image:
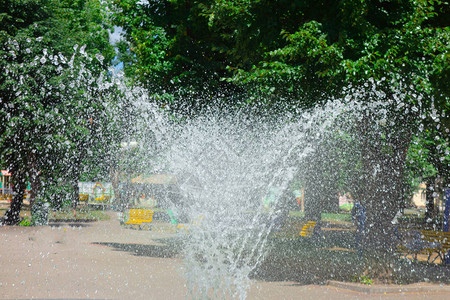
x=99 y=57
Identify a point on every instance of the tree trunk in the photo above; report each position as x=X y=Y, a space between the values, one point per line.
x=35 y=179
x=317 y=184
x=331 y=202
x=73 y=181
x=383 y=161
x=12 y=216
x=429 y=202
x=312 y=201
x=115 y=185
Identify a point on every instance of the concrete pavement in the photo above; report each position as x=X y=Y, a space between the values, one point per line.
x=103 y=260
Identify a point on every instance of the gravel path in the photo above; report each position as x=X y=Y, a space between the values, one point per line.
x=102 y=260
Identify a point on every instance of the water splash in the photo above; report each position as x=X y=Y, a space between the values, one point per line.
x=226 y=165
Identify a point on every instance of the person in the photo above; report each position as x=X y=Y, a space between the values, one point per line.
x=395 y=224
x=56 y=204
x=359 y=219
x=74 y=204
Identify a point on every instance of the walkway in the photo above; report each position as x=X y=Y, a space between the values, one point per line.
x=102 y=260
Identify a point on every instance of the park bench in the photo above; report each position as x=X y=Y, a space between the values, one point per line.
x=101 y=202
x=139 y=216
x=440 y=241
x=308 y=229
x=83 y=198
x=103 y=198
x=294 y=228
x=195 y=222
x=427 y=242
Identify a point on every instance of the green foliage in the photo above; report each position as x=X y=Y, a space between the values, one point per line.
x=190 y=53
x=428 y=157
x=17 y=14
x=302 y=68
x=371 y=39
x=364 y=279
x=25 y=222
x=295 y=52
x=39 y=212
x=300 y=54
x=168 y=46
x=52 y=91
x=83 y=214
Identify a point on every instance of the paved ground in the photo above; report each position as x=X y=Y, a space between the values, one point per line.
x=102 y=260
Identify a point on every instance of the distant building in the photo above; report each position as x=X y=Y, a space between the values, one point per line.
x=5 y=182
x=156 y=190
x=419 y=197
x=6 y=186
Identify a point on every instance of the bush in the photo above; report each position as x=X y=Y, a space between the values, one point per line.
x=39 y=212
x=25 y=222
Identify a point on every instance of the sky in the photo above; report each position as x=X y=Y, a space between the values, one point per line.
x=116 y=36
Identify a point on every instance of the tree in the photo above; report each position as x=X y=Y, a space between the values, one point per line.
x=284 y=55
x=170 y=50
x=50 y=90
x=295 y=53
x=428 y=161
x=399 y=45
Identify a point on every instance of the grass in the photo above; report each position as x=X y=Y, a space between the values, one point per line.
x=83 y=214
x=347 y=207
x=337 y=217
x=23 y=213
x=331 y=217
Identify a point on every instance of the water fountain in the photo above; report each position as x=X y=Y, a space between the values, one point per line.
x=226 y=164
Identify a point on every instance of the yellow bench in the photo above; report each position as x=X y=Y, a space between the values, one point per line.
x=139 y=216
x=308 y=229
x=9 y=197
x=195 y=222
x=290 y=229
x=83 y=197
x=103 y=198
x=441 y=239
